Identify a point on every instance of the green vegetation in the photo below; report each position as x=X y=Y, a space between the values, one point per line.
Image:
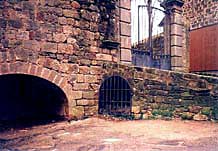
x=163 y=113
x=206 y=111
x=187 y=116
x=215 y=113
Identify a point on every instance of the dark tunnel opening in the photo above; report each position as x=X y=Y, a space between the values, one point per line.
x=27 y=100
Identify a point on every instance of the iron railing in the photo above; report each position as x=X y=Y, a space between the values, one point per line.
x=149 y=50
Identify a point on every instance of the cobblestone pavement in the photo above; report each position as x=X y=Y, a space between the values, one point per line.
x=96 y=134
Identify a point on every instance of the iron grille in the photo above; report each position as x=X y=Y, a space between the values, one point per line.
x=115 y=97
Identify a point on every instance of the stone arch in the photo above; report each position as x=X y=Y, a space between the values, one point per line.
x=115 y=96
x=41 y=72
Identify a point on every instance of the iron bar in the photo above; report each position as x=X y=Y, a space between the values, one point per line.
x=116 y=93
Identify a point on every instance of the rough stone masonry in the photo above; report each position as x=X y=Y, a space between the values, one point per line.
x=75 y=45
x=65 y=42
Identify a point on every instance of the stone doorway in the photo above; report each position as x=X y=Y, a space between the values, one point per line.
x=27 y=99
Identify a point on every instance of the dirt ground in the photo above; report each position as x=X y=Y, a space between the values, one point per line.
x=96 y=134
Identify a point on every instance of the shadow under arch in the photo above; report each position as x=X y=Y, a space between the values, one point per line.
x=115 y=96
x=30 y=100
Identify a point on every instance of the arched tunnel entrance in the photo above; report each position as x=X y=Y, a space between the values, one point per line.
x=27 y=99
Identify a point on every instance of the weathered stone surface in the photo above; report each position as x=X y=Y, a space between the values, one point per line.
x=90 y=78
x=104 y=57
x=200 y=117
x=49 y=47
x=81 y=86
x=77 y=94
x=89 y=94
x=70 y=13
x=87 y=102
x=77 y=112
x=65 y=38
x=195 y=109
x=60 y=37
x=171 y=99
x=65 y=48
x=194 y=10
x=136 y=109
x=15 y=23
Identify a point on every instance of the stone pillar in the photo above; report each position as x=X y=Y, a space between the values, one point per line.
x=174 y=7
x=125 y=54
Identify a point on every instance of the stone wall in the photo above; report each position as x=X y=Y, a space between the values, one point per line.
x=200 y=13
x=63 y=41
x=169 y=94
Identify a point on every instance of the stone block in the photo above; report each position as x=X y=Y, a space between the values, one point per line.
x=125 y=29
x=125 y=4
x=96 y=70
x=71 y=40
x=89 y=95
x=177 y=18
x=80 y=86
x=194 y=109
x=67 y=29
x=31 y=45
x=86 y=102
x=200 y=117
x=72 y=103
x=136 y=109
x=94 y=49
x=176 y=29
x=71 y=13
x=77 y=94
x=75 y=5
x=59 y=37
x=125 y=15
x=126 y=55
x=76 y=112
x=104 y=57
x=91 y=79
x=80 y=78
x=62 y=20
x=65 y=48
x=176 y=51
x=125 y=42
x=3 y=23
x=15 y=23
x=84 y=69
x=176 y=62
x=91 y=110
x=176 y=40
x=49 y=47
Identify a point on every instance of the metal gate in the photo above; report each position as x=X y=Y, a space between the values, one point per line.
x=149 y=35
x=115 y=97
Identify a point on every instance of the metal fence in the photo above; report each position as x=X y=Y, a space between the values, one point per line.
x=149 y=50
x=145 y=59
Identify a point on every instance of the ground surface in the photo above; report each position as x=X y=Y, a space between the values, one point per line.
x=96 y=134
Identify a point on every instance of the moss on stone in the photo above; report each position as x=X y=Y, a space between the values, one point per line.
x=162 y=113
x=187 y=116
x=206 y=111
